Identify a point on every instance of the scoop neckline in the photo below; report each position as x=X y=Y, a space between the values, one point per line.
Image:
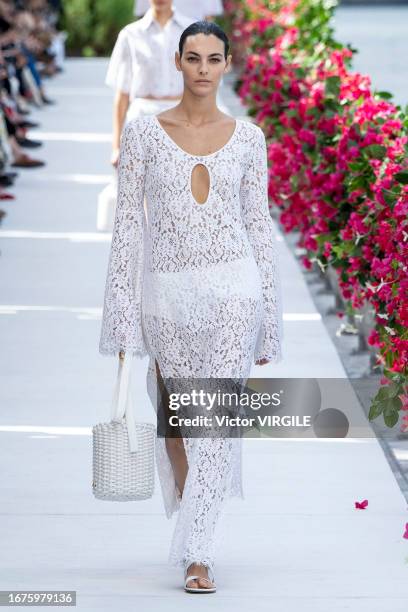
x=231 y=138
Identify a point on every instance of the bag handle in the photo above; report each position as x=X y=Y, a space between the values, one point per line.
x=122 y=403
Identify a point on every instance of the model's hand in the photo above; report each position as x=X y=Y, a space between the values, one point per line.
x=121 y=355
x=115 y=158
x=262 y=361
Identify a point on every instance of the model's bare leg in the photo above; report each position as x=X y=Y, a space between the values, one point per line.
x=175 y=446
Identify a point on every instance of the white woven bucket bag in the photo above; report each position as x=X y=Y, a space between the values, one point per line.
x=106 y=206
x=123 y=450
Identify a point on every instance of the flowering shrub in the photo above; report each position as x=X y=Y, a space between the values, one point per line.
x=338 y=168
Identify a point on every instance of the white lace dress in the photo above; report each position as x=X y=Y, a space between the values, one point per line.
x=197 y=288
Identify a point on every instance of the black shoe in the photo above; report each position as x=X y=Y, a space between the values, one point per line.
x=27 y=143
x=27 y=124
x=6 y=181
x=24 y=161
x=12 y=175
x=21 y=111
x=47 y=100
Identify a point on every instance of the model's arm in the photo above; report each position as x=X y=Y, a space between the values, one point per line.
x=121 y=328
x=120 y=107
x=259 y=226
x=119 y=77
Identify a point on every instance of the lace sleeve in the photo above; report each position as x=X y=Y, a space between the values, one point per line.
x=260 y=229
x=121 y=319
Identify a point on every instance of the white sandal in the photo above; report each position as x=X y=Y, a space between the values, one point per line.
x=199 y=589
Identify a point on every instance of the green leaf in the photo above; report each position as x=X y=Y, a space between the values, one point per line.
x=391 y=411
x=382 y=395
x=389 y=197
x=294 y=181
x=338 y=251
x=332 y=86
x=357 y=129
x=393 y=404
x=357 y=182
x=313 y=112
x=357 y=166
x=391 y=418
x=348 y=246
x=375 y=410
x=385 y=95
x=393 y=390
x=402 y=177
x=375 y=151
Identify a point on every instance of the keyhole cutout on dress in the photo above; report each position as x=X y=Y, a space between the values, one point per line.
x=200 y=183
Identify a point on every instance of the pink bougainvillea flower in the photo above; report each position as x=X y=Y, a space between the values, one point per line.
x=362 y=505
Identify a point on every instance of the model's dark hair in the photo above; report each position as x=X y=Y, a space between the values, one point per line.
x=204 y=27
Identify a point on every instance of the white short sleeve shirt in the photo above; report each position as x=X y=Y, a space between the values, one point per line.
x=196 y=9
x=142 y=60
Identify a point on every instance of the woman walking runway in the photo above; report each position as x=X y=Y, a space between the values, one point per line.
x=141 y=68
x=193 y=280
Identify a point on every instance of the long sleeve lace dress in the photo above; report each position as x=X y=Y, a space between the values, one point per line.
x=197 y=288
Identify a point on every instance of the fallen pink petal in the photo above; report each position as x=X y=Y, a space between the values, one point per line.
x=362 y=505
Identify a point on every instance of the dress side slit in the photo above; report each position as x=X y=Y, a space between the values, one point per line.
x=174 y=442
